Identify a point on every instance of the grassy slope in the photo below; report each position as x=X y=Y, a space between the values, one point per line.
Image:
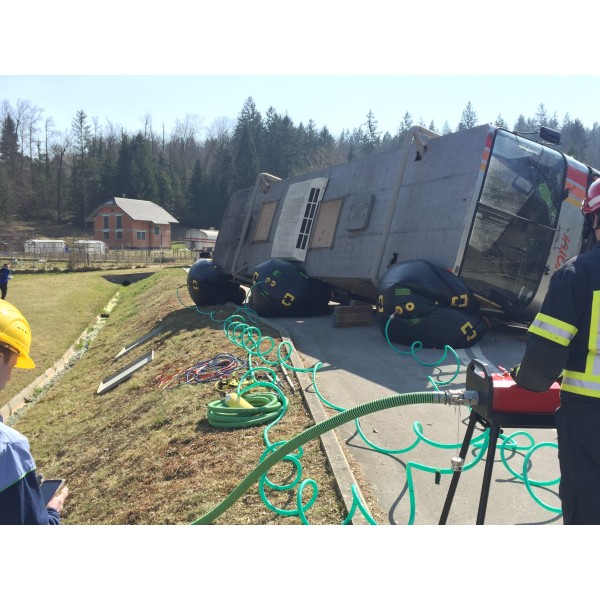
x=58 y=307
x=142 y=454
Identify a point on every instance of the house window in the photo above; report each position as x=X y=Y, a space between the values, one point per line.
x=106 y=234
x=141 y=235
x=105 y=219
x=156 y=230
x=119 y=224
x=119 y=234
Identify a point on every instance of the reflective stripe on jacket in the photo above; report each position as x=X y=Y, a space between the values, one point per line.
x=587 y=381
x=564 y=336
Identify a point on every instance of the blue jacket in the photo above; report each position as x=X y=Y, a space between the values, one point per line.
x=4 y=275
x=21 y=500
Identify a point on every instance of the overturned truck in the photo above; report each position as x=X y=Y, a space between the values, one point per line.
x=436 y=233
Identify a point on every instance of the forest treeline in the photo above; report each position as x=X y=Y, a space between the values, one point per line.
x=64 y=176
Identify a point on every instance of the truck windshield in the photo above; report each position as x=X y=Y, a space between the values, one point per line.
x=514 y=223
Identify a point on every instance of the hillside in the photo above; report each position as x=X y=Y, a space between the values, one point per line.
x=144 y=452
x=47 y=229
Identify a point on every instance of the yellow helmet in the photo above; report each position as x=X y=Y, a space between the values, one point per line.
x=15 y=333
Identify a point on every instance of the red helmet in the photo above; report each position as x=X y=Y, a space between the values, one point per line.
x=591 y=202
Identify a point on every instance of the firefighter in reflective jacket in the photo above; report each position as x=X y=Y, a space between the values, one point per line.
x=563 y=343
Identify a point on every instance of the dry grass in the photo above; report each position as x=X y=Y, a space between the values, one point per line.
x=58 y=307
x=146 y=455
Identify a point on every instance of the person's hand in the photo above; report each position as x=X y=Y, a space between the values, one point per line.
x=58 y=500
x=514 y=371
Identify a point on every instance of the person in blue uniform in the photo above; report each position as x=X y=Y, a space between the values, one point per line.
x=4 y=277
x=563 y=343
x=21 y=501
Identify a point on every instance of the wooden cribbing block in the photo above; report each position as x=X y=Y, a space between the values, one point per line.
x=352 y=316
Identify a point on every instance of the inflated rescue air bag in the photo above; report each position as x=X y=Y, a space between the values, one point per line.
x=282 y=289
x=430 y=305
x=208 y=285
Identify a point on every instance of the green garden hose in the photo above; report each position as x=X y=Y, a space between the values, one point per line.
x=438 y=397
x=247 y=336
x=266 y=408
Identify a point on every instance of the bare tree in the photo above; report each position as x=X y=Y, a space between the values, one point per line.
x=218 y=138
x=59 y=150
x=147 y=123
x=96 y=131
x=112 y=135
x=186 y=133
x=26 y=118
x=35 y=118
x=48 y=134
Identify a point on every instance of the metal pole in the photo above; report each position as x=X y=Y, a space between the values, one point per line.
x=487 y=473
x=456 y=475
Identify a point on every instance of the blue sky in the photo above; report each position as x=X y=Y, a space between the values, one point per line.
x=335 y=101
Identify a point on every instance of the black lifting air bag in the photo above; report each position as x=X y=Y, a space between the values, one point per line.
x=208 y=285
x=282 y=289
x=430 y=305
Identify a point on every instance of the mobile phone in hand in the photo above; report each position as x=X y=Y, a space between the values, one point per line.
x=49 y=488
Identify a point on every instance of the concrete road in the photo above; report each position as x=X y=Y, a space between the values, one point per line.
x=408 y=451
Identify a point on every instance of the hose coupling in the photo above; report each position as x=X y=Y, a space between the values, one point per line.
x=462 y=397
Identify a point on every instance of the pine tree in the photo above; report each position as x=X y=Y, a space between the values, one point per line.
x=5 y=196
x=143 y=171
x=468 y=119
x=80 y=173
x=196 y=213
x=592 y=156
x=500 y=122
x=10 y=155
x=281 y=149
x=574 y=139
x=521 y=125
x=246 y=166
x=165 y=189
x=250 y=119
x=541 y=116
x=405 y=125
x=372 y=137
x=9 y=143
x=124 y=174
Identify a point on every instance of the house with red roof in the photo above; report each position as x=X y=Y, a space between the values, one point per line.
x=132 y=223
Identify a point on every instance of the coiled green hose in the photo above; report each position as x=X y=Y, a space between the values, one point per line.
x=267 y=407
x=248 y=337
x=314 y=432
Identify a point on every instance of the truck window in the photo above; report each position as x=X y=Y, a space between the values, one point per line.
x=515 y=220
